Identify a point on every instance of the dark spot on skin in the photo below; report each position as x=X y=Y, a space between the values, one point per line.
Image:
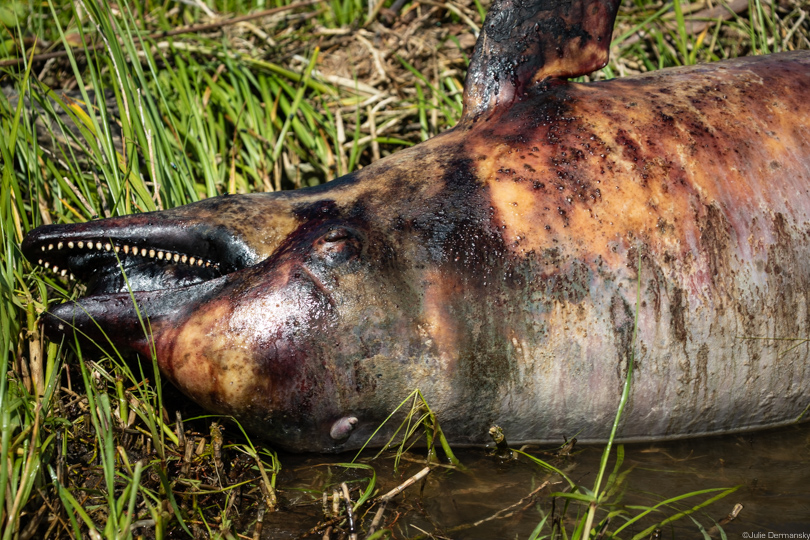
x=663 y=227
x=319 y=210
x=677 y=310
x=629 y=146
x=715 y=239
x=702 y=369
x=621 y=317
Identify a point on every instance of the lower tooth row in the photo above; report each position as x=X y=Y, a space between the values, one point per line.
x=55 y=269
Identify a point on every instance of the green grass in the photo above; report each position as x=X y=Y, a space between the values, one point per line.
x=178 y=119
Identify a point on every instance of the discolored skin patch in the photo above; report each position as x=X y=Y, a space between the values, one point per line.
x=665 y=167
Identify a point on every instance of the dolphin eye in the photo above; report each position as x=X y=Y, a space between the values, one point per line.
x=338 y=245
x=335 y=235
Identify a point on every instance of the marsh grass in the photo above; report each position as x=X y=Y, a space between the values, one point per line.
x=88 y=446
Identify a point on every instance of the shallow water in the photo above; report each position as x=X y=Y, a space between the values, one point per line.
x=772 y=469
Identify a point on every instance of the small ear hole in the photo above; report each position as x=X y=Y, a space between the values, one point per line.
x=335 y=235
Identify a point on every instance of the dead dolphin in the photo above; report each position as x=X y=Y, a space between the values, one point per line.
x=495 y=266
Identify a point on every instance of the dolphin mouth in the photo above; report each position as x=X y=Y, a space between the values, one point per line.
x=112 y=265
x=164 y=266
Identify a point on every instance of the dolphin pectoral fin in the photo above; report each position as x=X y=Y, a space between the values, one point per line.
x=342 y=428
x=524 y=42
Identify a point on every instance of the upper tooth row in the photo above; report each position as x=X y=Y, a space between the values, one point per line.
x=143 y=252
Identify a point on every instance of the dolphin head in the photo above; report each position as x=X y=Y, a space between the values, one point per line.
x=292 y=312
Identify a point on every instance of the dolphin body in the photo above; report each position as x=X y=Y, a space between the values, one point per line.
x=495 y=266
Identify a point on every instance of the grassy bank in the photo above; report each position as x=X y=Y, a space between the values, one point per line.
x=109 y=110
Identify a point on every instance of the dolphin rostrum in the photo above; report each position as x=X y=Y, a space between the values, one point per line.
x=495 y=266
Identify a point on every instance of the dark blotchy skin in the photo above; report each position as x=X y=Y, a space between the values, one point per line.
x=494 y=267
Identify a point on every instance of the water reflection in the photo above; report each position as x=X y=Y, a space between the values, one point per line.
x=490 y=499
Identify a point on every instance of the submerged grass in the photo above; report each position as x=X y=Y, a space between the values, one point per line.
x=130 y=119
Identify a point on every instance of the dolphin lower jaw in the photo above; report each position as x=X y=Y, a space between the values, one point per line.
x=127 y=321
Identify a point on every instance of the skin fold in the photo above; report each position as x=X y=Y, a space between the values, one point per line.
x=494 y=267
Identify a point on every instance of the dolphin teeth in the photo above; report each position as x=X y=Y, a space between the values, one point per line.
x=55 y=269
x=64 y=272
x=47 y=264
x=133 y=250
x=72 y=276
x=39 y=261
x=50 y=247
x=43 y=248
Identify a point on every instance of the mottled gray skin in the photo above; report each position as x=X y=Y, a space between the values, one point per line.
x=494 y=267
